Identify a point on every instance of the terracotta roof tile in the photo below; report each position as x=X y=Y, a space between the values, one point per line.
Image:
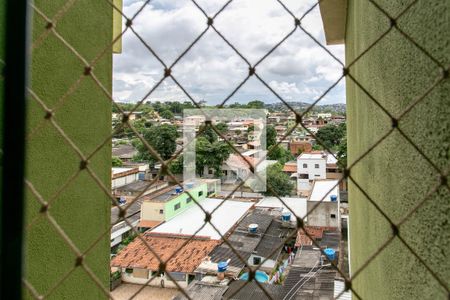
x=314 y=232
x=149 y=224
x=186 y=259
x=291 y=168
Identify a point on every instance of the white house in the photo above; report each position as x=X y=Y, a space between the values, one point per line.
x=310 y=166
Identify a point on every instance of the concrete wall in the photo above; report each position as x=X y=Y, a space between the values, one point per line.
x=124 y=180
x=82 y=209
x=321 y=215
x=150 y=211
x=166 y=281
x=394 y=174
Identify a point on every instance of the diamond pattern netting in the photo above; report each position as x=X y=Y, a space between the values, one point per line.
x=85 y=158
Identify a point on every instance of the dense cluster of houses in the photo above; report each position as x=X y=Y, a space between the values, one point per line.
x=240 y=130
x=200 y=238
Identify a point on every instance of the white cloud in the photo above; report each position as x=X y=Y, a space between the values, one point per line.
x=299 y=69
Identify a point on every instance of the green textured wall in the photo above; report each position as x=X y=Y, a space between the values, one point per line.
x=169 y=211
x=82 y=209
x=394 y=174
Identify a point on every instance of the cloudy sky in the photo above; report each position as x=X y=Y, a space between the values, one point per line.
x=298 y=70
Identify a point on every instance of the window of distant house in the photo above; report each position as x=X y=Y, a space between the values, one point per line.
x=210 y=172
x=177 y=206
x=189 y=199
x=305 y=166
x=333 y=216
x=200 y=193
x=317 y=175
x=316 y=166
x=161 y=211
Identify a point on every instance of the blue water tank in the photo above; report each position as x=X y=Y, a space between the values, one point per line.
x=330 y=253
x=178 y=189
x=222 y=266
x=286 y=216
x=253 y=228
x=333 y=198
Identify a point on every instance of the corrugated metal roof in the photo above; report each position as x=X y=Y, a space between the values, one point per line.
x=339 y=286
x=251 y=290
x=203 y=291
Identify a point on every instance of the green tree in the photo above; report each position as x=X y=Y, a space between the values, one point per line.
x=280 y=154
x=176 y=165
x=235 y=105
x=278 y=181
x=162 y=139
x=342 y=154
x=222 y=127
x=140 y=125
x=271 y=136
x=209 y=133
x=166 y=114
x=317 y=147
x=255 y=104
x=116 y=162
x=175 y=107
x=331 y=135
x=211 y=155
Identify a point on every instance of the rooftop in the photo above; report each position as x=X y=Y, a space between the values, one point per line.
x=141 y=185
x=331 y=160
x=326 y=237
x=187 y=257
x=199 y=290
x=272 y=240
x=223 y=253
x=240 y=289
x=119 y=172
x=312 y=156
x=165 y=195
x=317 y=282
x=339 y=286
x=132 y=213
x=297 y=206
x=124 y=151
x=303 y=240
x=290 y=167
x=323 y=189
x=270 y=235
x=149 y=223
x=192 y=219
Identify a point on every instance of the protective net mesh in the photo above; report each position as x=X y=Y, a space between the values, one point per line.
x=50 y=30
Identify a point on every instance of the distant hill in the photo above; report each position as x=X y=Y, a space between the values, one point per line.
x=337 y=108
